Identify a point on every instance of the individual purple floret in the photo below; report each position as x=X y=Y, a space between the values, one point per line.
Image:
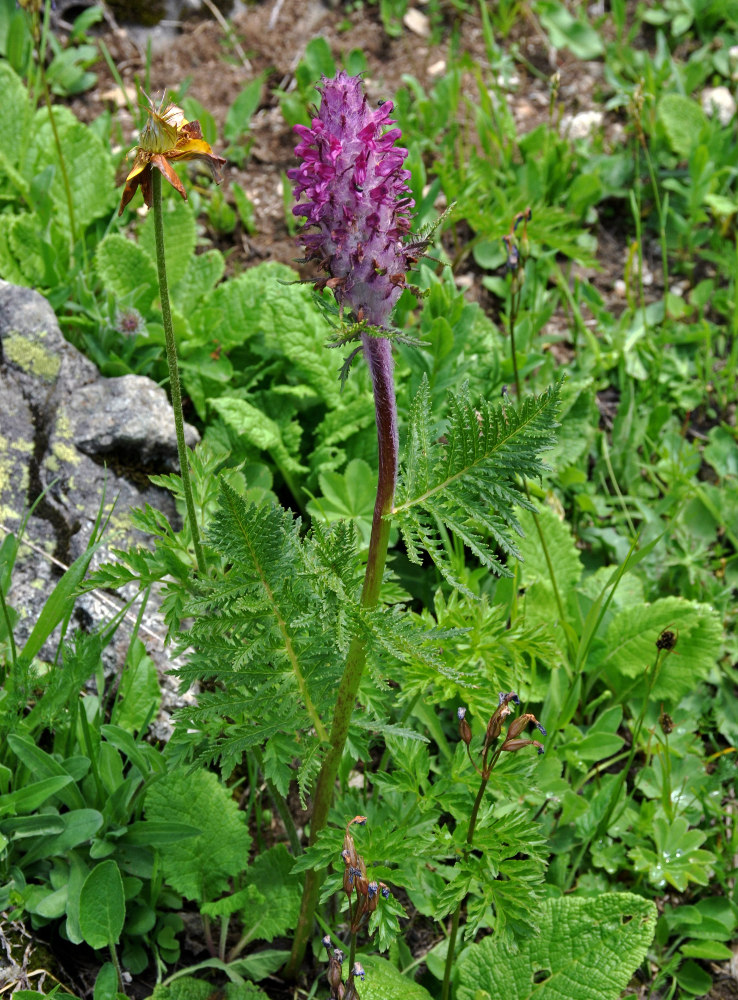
x=460 y=713
x=354 y=192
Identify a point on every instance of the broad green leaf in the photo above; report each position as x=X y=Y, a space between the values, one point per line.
x=80 y=825
x=16 y=115
x=32 y=796
x=200 y=867
x=102 y=905
x=31 y=826
x=240 y=112
x=347 y=496
x=275 y=895
x=565 y=558
x=567 y=32
x=9 y=267
x=180 y=236
x=631 y=645
x=51 y=905
x=677 y=859
x=587 y=949
x=382 y=981
x=204 y=271
x=127 y=272
x=138 y=693
x=88 y=162
x=257 y=428
x=148 y=831
x=43 y=765
x=683 y=120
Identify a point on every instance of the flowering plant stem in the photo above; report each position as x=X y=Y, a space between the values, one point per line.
x=378 y=352
x=174 y=385
x=450 y=953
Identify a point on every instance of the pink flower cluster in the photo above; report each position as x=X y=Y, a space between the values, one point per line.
x=356 y=198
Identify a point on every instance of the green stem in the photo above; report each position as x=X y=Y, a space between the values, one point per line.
x=604 y=823
x=280 y=805
x=379 y=357
x=11 y=639
x=514 y=306
x=171 y=348
x=457 y=914
x=118 y=970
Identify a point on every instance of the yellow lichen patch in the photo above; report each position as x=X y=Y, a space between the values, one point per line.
x=31 y=357
x=65 y=453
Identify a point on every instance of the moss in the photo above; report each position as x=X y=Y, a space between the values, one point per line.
x=30 y=356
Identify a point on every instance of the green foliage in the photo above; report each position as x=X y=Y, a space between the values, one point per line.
x=200 y=866
x=102 y=906
x=469 y=483
x=585 y=948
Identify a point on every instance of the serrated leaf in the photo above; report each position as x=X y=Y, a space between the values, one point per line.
x=273 y=908
x=203 y=273
x=563 y=552
x=16 y=114
x=127 y=272
x=631 y=645
x=88 y=161
x=257 y=428
x=587 y=949
x=683 y=120
x=200 y=867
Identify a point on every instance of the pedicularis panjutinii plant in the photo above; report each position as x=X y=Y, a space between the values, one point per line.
x=357 y=210
x=357 y=207
x=285 y=619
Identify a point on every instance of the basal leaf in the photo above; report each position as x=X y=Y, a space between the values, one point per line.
x=200 y=867
x=127 y=272
x=564 y=554
x=102 y=905
x=631 y=645
x=88 y=162
x=587 y=949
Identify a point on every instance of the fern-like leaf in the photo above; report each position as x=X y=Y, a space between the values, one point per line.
x=471 y=479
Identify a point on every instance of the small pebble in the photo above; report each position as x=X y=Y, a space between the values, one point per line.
x=582 y=124
x=718 y=101
x=416 y=21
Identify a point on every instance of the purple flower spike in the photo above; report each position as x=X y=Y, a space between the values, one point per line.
x=355 y=195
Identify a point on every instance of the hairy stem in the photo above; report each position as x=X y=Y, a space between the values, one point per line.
x=171 y=348
x=378 y=353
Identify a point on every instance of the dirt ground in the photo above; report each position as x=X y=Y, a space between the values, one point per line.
x=272 y=35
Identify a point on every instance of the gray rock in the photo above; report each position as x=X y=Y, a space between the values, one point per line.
x=70 y=436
